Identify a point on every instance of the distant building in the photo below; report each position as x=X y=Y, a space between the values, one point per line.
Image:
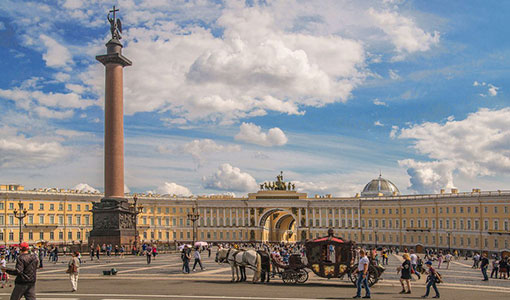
x=379 y=215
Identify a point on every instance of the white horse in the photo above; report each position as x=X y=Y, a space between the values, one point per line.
x=239 y=260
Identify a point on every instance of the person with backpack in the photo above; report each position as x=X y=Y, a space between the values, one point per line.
x=432 y=279
x=26 y=273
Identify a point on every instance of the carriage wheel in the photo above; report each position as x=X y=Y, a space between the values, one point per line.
x=373 y=275
x=287 y=278
x=302 y=276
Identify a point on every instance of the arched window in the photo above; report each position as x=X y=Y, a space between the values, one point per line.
x=228 y=222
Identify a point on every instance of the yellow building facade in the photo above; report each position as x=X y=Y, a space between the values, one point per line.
x=466 y=221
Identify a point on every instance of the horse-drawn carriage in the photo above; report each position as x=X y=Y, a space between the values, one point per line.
x=328 y=257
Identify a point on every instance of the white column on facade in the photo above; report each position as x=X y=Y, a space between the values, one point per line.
x=352 y=216
x=298 y=222
x=217 y=217
x=256 y=217
x=230 y=217
x=320 y=217
x=249 y=217
x=242 y=216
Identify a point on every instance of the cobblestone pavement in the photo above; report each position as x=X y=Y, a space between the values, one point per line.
x=163 y=279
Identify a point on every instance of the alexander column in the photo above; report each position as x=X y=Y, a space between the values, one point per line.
x=113 y=217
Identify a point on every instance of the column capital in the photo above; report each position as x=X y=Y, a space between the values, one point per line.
x=114 y=58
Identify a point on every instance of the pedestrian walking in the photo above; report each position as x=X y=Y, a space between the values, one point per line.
x=484 y=265
x=91 y=253
x=198 y=259
x=432 y=279
x=154 y=252
x=148 y=253
x=4 y=277
x=185 y=256
x=362 y=272
x=209 y=251
x=73 y=269
x=98 y=249
x=414 y=264
x=26 y=273
x=40 y=254
x=448 y=258
x=495 y=268
x=405 y=274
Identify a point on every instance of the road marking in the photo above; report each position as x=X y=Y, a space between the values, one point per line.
x=215 y=271
x=147 y=268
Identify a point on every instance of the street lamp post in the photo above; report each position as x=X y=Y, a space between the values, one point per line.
x=137 y=209
x=193 y=216
x=20 y=215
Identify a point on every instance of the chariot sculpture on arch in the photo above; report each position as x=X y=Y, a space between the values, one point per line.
x=115 y=24
x=278 y=185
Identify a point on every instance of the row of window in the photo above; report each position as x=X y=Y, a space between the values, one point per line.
x=443 y=224
x=446 y=209
x=71 y=220
x=13 y=205
x=44 y=236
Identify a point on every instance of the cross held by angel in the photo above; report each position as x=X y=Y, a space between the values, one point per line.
x=115 y=24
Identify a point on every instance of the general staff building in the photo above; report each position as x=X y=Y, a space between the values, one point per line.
x=378 y=216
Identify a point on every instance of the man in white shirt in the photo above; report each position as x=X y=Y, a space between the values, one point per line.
x=414 y=263
x=362 y=272
x=198 y=259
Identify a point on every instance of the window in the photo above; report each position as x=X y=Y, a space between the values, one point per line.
x=60 y=207
x=69 y=220
x=52 y=219
x=485 y=210
x=87 y=220
x=167 y=210
x=159 y=210
x=78 y=207
x=2 y=220
x=2 y=207
x=60 y=220
x=41 y=206
x=86 y=207
x=11 y=220
x=61 y=235
x=173 y=210
x=30 y=219
x=11 y=236
x=52 y=235
x=30 y=206
x=152 y=221
x=69 y=207
x=486 y=224
x=41 y=235
x=69 y=235
x=461 y=209
x=30 y=235
x=52 y=206
x=496 y=225
x=41 y=219
x=11 y=206
x=167 y=221
x=78 y=220
x=78 y=235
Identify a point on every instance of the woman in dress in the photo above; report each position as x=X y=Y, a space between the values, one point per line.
x=405 y=274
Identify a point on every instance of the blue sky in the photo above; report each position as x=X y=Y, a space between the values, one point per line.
x=222 y=95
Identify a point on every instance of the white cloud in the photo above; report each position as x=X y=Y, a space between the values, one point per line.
x=16 y=150
x=378 y=123
x=172 y=188
x=476 y=146
x=44 y=112
x=56 y=55
x=198 y=148
x=393 y=132
x=379 y=102
x=393 y=74
x=85 y=188
x=229 y=178
x=71 y=133
x=493 y=90
x=251 y=133
x=403 y=32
